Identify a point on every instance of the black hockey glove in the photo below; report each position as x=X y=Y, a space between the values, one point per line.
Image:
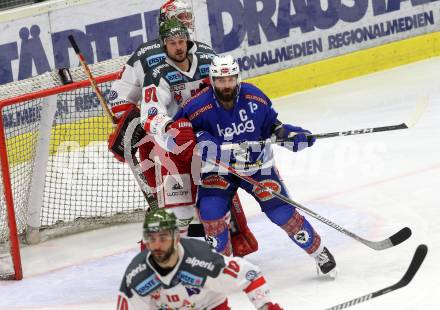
x=297 y=138
x=116 y=138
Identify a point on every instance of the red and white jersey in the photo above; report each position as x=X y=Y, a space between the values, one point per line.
x=202 y=279
x=152 y=81
x=166 y=87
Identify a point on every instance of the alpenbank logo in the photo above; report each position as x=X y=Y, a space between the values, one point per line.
x=174 y=76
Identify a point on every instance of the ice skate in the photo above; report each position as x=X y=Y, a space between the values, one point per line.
x=326 y=264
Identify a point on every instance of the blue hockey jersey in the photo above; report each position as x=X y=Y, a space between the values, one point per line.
x=252 y=118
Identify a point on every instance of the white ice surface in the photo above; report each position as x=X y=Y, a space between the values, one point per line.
x=372 y=185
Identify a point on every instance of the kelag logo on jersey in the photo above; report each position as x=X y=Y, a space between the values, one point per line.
x=204 y=69
x=174 y=77
x=155 y=59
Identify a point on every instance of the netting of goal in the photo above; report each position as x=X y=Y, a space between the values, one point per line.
x=62 y=177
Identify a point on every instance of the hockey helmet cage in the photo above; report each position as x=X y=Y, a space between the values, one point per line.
x=178 y=9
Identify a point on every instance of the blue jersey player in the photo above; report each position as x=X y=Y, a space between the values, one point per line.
x=232 y=112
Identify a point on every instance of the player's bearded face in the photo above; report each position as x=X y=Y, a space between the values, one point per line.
x=226 y=87
x=176 y=48
x=161 y=245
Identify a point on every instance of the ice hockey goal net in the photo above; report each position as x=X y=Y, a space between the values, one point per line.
x=57 y=174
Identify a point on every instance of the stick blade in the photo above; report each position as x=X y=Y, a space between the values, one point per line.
x=416 y=262
x=400 y=236
x=420 y=108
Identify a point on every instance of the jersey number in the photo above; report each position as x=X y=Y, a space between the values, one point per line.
x=122 y=303
x=150 y=94
x=232 y=269
x=173 y=298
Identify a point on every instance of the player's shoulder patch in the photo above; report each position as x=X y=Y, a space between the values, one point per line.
x=203 y=47
x=200 y=110
x=200 y=259
x=137 y=266
x=149 y=54
x=253 y=93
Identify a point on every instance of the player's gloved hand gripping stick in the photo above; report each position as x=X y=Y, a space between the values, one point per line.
x=420 y=107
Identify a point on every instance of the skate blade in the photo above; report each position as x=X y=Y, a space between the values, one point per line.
x=331 y=275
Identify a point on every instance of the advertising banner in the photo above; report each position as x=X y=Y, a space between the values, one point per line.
x=265 y=36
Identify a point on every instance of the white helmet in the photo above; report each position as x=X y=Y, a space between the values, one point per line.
x=179 y=9
x=224 y=66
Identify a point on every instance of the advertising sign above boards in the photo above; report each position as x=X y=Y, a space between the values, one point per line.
x=266 y=36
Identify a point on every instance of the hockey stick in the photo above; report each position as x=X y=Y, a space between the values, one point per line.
x=420 y=107
x=395 y=239
x=135 y=168
x=415 y=264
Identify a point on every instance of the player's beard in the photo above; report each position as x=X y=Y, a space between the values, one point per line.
x=163 y=257
x=179 y=56
x=226 y=94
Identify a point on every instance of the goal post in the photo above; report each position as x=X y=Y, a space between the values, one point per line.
x=58 y=176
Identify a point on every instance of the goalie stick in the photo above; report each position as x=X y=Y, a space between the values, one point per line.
x=420 y=107
x=134 y=166
x=414 y=266
x=395 y=239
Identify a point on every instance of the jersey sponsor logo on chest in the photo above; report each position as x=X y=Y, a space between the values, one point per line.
x=189 y=278
x=148 y=285
x=174 y=76
x=155 y=59
x=246 y=125
x=178 y=87
x=204 y=70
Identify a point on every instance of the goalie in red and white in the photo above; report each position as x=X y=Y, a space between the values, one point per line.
x=159 y=77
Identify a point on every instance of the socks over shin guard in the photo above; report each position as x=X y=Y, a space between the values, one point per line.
x=217 y=234
x=302 y=233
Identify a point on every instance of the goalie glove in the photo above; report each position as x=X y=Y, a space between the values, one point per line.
x=116 y=138
x=296 y=135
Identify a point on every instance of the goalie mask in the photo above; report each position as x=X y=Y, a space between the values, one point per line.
x=180 y=10
x=224 y=74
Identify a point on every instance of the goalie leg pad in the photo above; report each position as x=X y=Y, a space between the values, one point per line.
x=296 y=227
x=215 y=218
x=242 y=239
